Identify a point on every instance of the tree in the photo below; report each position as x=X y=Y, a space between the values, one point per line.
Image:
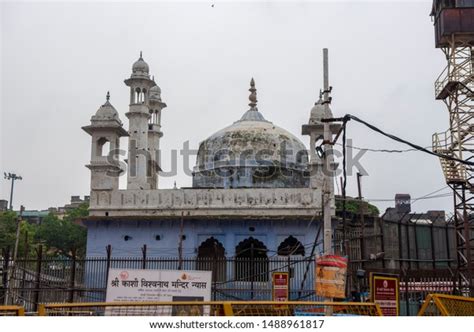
x=353 y=206
x=8 y=225
x=64 y=236
x=7 y=229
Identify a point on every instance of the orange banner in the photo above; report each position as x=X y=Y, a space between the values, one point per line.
x=331 y=273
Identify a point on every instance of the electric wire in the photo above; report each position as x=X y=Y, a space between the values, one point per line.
x=381 y=150
x=348 y=117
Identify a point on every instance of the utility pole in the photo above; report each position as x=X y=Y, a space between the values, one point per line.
x=11 y=270
x=180 y=243
x=362 y=220
x=327 y=171
x=13 y=177
x=327 y=137
x=321 y=157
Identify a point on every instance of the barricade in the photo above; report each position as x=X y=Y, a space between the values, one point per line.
x=193 y=308
x=11 y=310
x=447 y=305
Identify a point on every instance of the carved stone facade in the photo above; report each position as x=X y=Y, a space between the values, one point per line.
x=206 y=202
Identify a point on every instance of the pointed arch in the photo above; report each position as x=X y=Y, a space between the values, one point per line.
x=291 y=246
x=211 y=257
x=251 y=260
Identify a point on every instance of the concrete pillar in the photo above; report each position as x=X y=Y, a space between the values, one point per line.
x=138 y=154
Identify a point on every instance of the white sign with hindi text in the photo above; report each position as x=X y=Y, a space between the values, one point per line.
x=130 y=285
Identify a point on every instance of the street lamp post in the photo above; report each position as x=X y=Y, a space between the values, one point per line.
x=13 y=177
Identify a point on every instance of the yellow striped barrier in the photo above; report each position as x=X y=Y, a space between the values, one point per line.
x=211 y=308
x=447 y=305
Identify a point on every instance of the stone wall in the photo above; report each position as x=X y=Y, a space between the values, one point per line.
x=202 y=202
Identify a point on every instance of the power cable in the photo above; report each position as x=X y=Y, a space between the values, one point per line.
x=380 y=150
x=348 y=117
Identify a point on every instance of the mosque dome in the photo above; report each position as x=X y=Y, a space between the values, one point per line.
x=252 y=152
x=140 y=67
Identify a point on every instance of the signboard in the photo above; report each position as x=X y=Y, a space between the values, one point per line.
x=130 y=285
x=384 y=291
x=331 y=276
x=280 y=286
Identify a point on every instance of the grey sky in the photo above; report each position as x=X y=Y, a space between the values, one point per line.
x=60 y=59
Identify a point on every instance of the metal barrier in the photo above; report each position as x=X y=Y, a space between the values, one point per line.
x=11 y=310
x=192 y=308
x=293 y=308
x=447 y=305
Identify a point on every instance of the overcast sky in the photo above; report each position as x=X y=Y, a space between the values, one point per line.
x=58 y=60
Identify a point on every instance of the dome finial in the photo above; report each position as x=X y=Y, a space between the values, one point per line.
x=141 y=55
x=253 y=94
x=107 y=96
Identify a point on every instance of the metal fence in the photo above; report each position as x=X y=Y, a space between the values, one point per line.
x=53 y=280
x=422 y=255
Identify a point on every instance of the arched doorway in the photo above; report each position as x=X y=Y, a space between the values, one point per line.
x=291 y=246
x=251 y=261
x=211 y=257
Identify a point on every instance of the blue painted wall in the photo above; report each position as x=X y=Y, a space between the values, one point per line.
x=228 y=232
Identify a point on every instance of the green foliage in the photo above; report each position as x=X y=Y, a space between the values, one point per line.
x=64 y=236
x=27 y=239
x=7 y=229
x=352 y=206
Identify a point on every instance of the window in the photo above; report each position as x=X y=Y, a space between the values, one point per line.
x=211 y=257
x=251 y=261
x=291 y=246
x=103 y=147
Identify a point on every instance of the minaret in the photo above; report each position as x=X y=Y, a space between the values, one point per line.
x=316 y=131
x=154 y=134
x=106 y=130
x=138 y=115
x=322 y=164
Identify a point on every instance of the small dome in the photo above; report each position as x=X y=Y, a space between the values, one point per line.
x=155 y=89
x=106 y=111
x=319 y=111
x=155 y=93
x=140 y=67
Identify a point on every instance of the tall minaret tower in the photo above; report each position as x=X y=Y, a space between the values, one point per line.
x=154 y=134
x=322 y=164
x=106 y=130
x=138 y=115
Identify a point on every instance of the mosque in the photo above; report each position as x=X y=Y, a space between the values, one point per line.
x=256 y=190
